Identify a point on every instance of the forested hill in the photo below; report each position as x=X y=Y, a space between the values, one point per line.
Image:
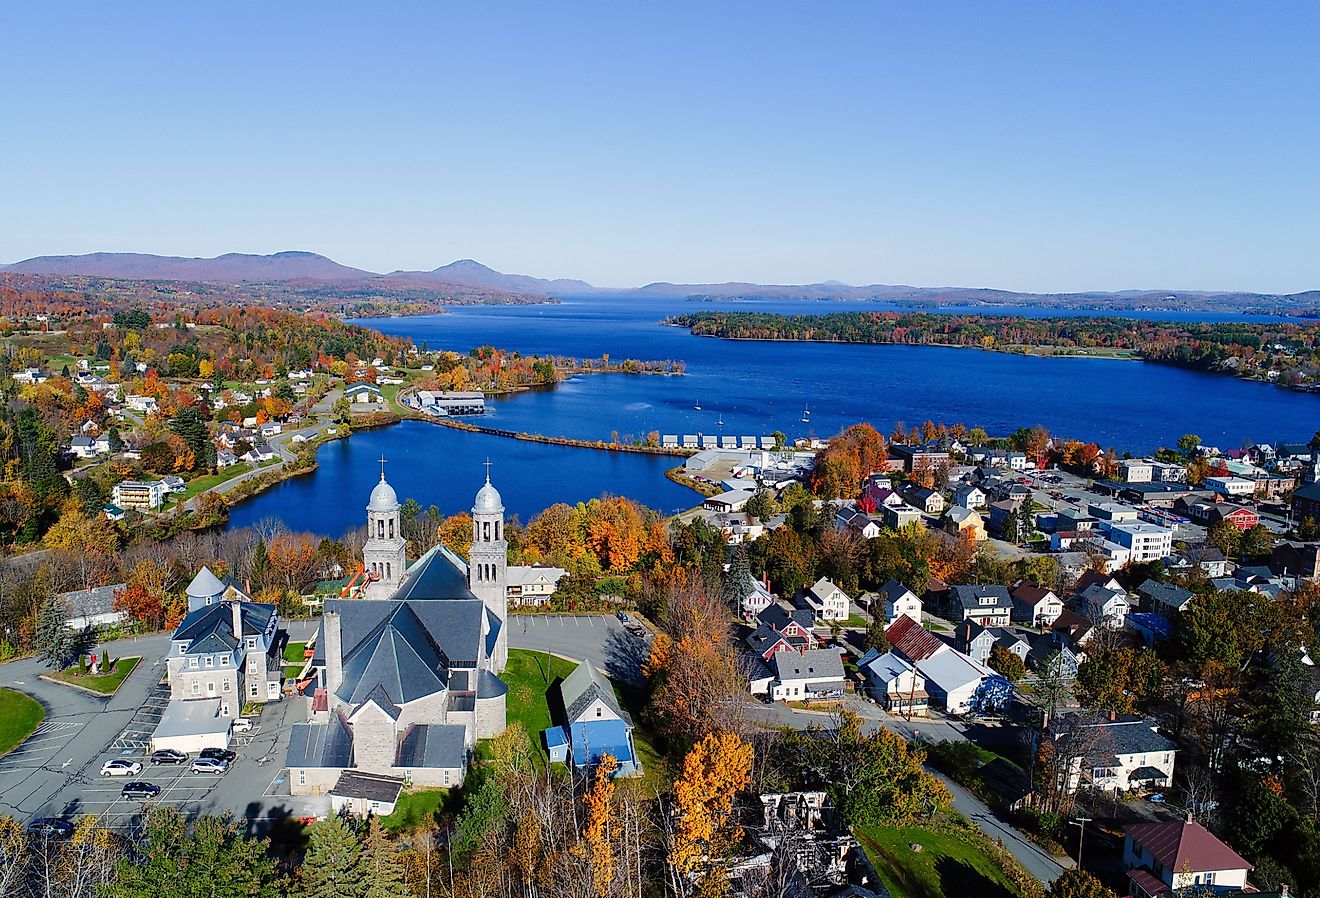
x=1287 y=352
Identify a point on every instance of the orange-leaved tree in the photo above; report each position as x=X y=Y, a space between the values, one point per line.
x=714 y=772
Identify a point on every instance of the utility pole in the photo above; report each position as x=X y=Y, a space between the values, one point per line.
x=1080 y=823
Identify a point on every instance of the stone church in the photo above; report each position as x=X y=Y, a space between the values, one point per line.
x=408 y=674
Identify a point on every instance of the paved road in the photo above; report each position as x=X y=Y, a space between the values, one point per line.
x=1038 y=862
x=56 y=771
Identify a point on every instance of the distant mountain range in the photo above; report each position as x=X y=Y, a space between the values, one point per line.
x=306 y=266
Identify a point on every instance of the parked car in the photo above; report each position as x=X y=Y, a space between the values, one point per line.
x=140 y=790
x=242 y=725
x=121 y=767
x=622 y=616
x=50 y=828
x=219 y=754
x=168 y=756
x=209 y=765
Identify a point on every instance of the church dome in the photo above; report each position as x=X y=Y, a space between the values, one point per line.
x=488 y=500
x=383 y=497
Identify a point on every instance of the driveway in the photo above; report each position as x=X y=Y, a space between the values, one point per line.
x=56 y=771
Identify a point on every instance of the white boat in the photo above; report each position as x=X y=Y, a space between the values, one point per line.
x=806 y=414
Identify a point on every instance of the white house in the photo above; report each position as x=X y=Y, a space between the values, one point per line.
x=83 y=447
x=532 y=584
x=1036 y=606
x=92 y=607
x=804 y=676
x=1145 y=541
x=1230 y=486
x=895 y=683
x=1116 y=755
x=898 y=600
x=952 y=679
x=145 y=404
x=1176 y=855
x=969 y=496
x=1104 y=605
x=826 y=601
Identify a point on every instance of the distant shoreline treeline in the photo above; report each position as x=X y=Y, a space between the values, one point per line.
x=1287 y=352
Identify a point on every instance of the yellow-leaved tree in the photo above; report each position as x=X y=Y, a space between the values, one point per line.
x=714 y=772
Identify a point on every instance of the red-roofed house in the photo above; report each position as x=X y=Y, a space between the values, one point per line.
x=911 y=640
x=1179 y=854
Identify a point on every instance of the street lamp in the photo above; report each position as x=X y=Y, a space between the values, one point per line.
x=1080 y=823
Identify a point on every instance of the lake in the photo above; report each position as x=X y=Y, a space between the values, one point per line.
x=755 y=388
x=443 y=467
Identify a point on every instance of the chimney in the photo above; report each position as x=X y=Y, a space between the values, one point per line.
x=236 y=618
x=334 y=660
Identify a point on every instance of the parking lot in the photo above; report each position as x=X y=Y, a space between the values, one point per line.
x=56 y=772
x=613 y=646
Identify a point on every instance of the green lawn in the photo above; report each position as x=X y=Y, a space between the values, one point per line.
x=106 y=684
x=199 y=485
x=948 y=866
x=291 y=671
x=415 y=809
x=530 y=677
x=856 y=622
x=293 y=652
x=19 y=716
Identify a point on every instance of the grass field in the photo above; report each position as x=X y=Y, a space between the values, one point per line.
x=948 y=866
x=19 y=716
x=293 y=652
x=531 y=680
x=199 y=485
x=106 y=684
x=415 y=809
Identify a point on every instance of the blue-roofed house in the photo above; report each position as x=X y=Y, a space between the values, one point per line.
x=596 y=725
x=556 y=744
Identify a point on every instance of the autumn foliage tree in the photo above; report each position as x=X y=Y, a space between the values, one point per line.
x=842 y=466
x=714 y=772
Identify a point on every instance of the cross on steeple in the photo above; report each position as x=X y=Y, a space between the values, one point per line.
x=382 y=466
x=487 y=463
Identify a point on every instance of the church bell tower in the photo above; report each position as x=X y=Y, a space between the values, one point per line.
x=488 y=562
x=385 y=554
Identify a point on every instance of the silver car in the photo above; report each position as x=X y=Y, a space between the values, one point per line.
x=121 y=767
x=210 y=765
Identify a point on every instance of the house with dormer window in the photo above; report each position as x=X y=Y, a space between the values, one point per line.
x=225 y=648
x=986 y=604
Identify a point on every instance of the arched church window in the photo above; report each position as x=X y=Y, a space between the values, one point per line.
x=380 y=529
x=497 y=529
x=388 y=574
x=485 y=531
x=391 y=528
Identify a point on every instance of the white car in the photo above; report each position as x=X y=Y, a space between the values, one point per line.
x=242 y=725
x=209 y=765
x=121 y=767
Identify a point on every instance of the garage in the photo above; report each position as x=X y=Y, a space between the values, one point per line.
x=192 y=725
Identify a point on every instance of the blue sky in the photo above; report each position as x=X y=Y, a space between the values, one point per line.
x=1051 y=146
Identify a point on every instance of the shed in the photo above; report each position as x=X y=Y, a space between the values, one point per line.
x=364 y=793
x=190 y=725
x=556 y=744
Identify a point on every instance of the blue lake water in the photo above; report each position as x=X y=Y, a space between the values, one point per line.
x=759 y=387
x=443 y=467
x=754 y=388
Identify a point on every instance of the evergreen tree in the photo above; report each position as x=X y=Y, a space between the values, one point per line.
x=382 y=875
x=191 y=427
x=53 y=639
x=876 y=638
x=37 y=453
x=116 y=441
x=738 y=582
x=211 y=858
x=334 y=865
